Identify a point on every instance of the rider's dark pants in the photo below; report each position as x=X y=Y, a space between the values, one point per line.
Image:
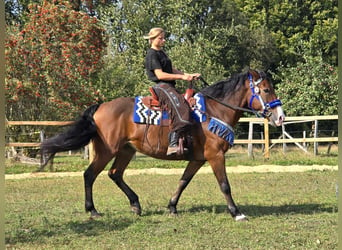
x=179 y=108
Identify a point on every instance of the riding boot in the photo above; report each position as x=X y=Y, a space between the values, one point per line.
x=173 y=143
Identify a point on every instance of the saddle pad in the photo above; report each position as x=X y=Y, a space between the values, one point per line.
x=199 y=109
x=144 y=115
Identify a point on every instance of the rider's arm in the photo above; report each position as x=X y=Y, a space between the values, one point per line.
x=161 y=75
x=193 y=76
x=176 y=71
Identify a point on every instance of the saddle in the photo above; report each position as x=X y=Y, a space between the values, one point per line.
x=153 y=103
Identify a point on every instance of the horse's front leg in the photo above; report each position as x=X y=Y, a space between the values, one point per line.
x=189 y=172
x=219 y=169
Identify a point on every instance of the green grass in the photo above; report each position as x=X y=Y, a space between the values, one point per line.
x=236 y=156
x=286 y=211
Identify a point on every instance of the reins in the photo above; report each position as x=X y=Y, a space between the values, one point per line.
x=223 y=103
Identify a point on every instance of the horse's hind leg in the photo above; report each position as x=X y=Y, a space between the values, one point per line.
x=189 y=172
x=121 y=161
x=90 y=175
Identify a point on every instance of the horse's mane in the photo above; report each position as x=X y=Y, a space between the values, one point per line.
x=226 y=86
x=230 y=85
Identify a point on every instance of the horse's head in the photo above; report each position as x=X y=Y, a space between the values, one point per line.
x=261 y=97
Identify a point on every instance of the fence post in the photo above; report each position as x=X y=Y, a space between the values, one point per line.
x=91 y=151
x=283 y=132
x=330 y=143
x=262 y=145
x=315 y=136
x=250 y=137
x=86 y=152
x=267 y=140
x=42 y=156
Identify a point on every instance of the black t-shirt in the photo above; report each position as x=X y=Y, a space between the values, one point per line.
x=157 y=59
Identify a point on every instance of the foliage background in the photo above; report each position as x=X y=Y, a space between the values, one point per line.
x=62 y=56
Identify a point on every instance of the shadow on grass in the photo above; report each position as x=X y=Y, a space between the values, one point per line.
x=259 y=211
x=88 y=227
x=111 y=223
x=98 y=226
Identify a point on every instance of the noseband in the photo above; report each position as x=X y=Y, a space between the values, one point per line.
x=256 y=95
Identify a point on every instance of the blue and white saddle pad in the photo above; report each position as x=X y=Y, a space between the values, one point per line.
x=144 y=115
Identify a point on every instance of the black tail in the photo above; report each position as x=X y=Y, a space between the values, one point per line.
x=77 y=136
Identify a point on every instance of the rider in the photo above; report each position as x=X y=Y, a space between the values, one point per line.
x=159 y=69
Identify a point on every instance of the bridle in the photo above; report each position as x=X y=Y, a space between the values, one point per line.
x=256 y=95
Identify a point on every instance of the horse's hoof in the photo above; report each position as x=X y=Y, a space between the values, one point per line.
x=173 y=209
x=94 y=214
x=136 y=210
x=173 y=214
x=241 y=217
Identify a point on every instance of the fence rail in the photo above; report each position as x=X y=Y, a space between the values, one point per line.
x=42 y=123
x=289 y=120
x=250 y=141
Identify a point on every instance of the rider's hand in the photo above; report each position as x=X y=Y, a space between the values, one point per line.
x=195 y=76
x=190 y=77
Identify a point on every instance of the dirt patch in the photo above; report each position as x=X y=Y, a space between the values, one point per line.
x=203 y=170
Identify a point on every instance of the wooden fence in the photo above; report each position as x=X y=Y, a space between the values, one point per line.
x=286 y=137
x=32 y=123
x=266 y=141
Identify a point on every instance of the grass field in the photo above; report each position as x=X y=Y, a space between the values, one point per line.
x=286 y=211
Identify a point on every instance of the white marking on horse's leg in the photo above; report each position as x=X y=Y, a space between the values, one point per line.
x=241 y=217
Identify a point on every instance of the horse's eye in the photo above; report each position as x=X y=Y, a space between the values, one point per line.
x=267 y=90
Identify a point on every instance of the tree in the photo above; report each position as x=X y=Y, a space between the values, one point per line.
x=52 y=63
x=51 y=66
x=203 y=36
x=309 y=88
x=292 y=22
x=16 y=11
x=216 y=38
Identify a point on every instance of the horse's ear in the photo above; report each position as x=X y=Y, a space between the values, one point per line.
x=262 y=73
x=268 y=72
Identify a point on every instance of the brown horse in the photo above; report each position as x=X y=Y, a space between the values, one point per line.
x=114 y=134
